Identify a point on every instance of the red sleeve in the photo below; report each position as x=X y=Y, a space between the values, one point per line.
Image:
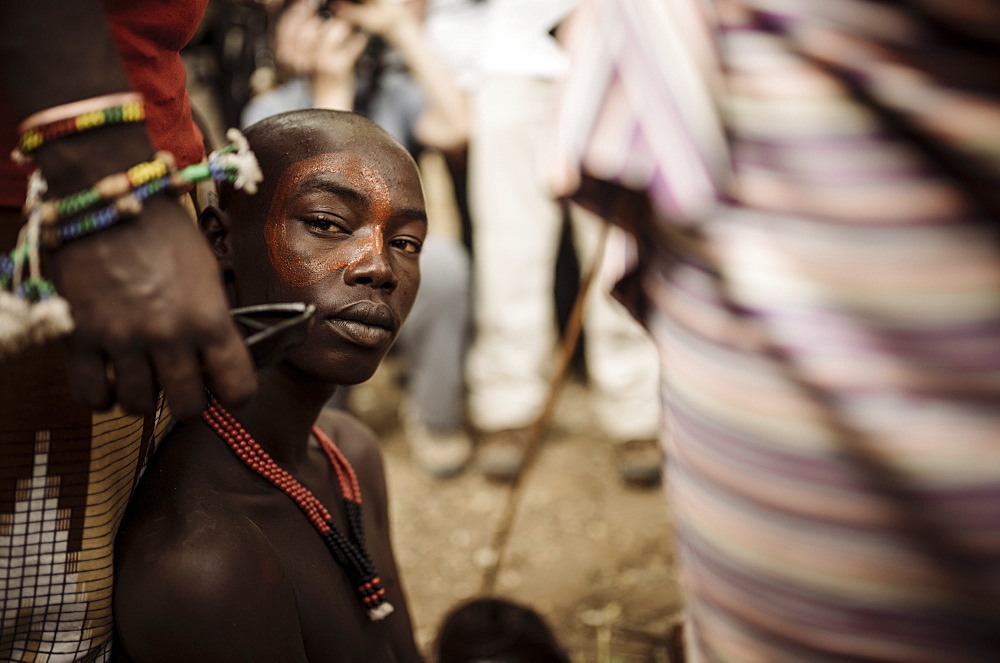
x=149 y=36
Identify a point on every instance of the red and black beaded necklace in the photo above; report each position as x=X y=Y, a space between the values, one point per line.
x=348 y=550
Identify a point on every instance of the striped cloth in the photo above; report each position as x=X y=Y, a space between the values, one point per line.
x=66 y=475
x=65 y=478
x=824 y=288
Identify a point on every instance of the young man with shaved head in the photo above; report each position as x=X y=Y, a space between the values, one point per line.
x=261 y=533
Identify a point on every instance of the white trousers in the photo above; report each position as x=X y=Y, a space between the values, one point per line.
x=516 y=227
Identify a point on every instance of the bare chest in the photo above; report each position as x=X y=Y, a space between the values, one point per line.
x=334 y=624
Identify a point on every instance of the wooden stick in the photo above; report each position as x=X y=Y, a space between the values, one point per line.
x=536 y=433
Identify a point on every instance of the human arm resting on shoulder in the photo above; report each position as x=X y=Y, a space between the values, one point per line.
x=145 y=295
x=212 y=594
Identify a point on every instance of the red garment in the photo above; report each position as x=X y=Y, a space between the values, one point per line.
x=12 y=176
x=149 y=36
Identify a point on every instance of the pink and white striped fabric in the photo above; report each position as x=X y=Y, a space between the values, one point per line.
x=631 y=121
x=815 y=187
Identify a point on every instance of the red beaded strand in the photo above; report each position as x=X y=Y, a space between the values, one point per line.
x=351 y=555
x=351 y=490
x=254 y=456
x=348 y=481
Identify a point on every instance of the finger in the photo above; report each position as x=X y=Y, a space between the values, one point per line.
x=355 y=45
x=230 y=371
x=134 y=383
x=179 y=376
x=296 y=36
x=369 y=15
x=307 y=36
x=88 y=377
x=292 y=20
x=334 y=31
x=348 y=12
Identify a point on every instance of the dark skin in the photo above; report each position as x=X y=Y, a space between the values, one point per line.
x=213 y=563
x=150 y=313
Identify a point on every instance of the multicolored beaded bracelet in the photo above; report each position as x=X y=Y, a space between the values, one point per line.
x=31 y=311
x=231 y=164
x=76 y=117
x=108 y=188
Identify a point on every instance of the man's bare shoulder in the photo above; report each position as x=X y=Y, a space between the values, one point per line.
x=194 y=574
x=207 y=586
x=200 y=554
x=186 y=482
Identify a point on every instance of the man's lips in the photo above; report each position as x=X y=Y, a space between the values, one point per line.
x=365 y=323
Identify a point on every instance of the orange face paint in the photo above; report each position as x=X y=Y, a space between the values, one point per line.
x=299 y=270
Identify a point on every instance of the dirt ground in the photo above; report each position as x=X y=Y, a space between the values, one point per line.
x=593 y=557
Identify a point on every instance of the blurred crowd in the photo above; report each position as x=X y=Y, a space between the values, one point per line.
x=474 y=83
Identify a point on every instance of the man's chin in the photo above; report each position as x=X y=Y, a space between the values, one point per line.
x=337 y=370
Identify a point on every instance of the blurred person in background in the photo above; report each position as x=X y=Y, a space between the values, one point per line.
x=815 y=187
x=416 y=99
x=516 y=227
x=455 y=30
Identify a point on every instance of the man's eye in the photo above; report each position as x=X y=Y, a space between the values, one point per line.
x=323 y=224
x=407 y=245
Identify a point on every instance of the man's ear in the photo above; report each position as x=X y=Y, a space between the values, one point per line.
x=214 y=224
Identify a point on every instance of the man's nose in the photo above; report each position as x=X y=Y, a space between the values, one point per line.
x=372 y=269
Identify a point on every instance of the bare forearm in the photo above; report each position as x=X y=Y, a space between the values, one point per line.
x=145 y=296
x=336 y=94
x=446 y=118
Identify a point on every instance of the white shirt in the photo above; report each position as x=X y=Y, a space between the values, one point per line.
x=518 y=41
x=456 y=30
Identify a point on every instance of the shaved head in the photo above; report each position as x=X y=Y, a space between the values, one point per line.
x=281 y=140
x=338 y=222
